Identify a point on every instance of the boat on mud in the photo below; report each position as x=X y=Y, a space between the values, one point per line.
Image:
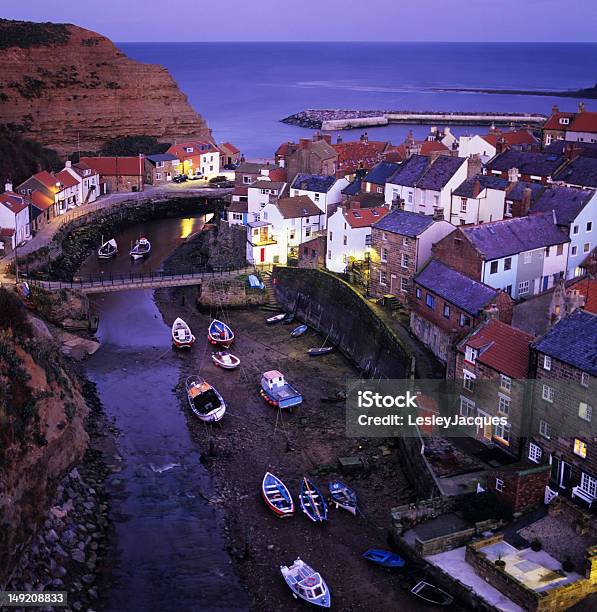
x=276 y=318
x=323 y=350
x=385 y=558
x=277 y=392
x=108 y=249
x=277 y=496
x=141 y=249
x=182 y=337
x=429 y=593
x=204 y=400
x=298 y=331
x=312 y=502
x=306 y=584
x=220 y=334
x=225 y=360
x=343 y=496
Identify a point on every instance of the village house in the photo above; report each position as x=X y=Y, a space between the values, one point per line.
x=309 y=156
x=67 y=195
x=445 y=305
x=400 y=245
x=575 y=212
x=312 y=253
x=435 y=144
x=236 y=213
x=492 y=366
x=533 y=166
x=520 y=196
x=161 y=168
x=118 y=173
x=572 y=149
x=197 y=158
x=88 y=181
x=349 y=235
x=562 y=430
x=578 y=172
x=496 y=141
x=246 y=174
x=479 y=199
x=270 y=186
x=522 y=256
x=325 y=191
x=357 y=155
x=375 y=180
x=41 y=189
x=230 y=156
x=573 y=127
x=15 y=216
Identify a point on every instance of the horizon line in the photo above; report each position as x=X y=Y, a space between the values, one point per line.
x=368 y=42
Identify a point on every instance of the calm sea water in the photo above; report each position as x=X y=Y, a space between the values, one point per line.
x=244 y=89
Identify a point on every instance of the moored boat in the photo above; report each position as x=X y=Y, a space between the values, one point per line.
x=226 y=360
x=385 y=558
x=343 y=496
x=316 y=352
x=276 y=318
x=312 y=502
x=277 y=496
x=298 y=331
x=306 y=584
x=204 y=400
x=141 y=248
x=182 y=337
x=108 y=249
x=219 y=333
x=432 y=594
x=277 y=392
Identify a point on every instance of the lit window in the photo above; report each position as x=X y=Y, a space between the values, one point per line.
x=545 y=429
x=470 y=354
x=580 y=448
x=546 y=362
x=535 y=453
x=502 y=432
x=585 y=411
x=499 y=484
x=506 y=383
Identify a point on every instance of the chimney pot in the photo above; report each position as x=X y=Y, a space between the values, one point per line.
x=513 y=175
x=555 y=109
x=527 y=194
x=581 y=107
x=476 y=188
x=8 y=186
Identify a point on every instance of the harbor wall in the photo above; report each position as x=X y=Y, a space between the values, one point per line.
x=348 y=124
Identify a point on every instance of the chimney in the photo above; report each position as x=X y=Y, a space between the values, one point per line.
x=491 y=313
x=339 y=139
x=555 y=109
x=476 y=188
x=574 y=300
x=447 y=130
x=500 y=145
x=68 y=163
x=8 y=186
x=474 y=165
x=527 y=194
x=410 y=139
x=581 y=107
x=513 y=175
x=438 y=214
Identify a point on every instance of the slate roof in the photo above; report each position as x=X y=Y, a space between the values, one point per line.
x=364 y=217
x=501 y=347
x=460 y=290
x=352 y=188
x=516 y=191
x=586 y=149
x=486 y=181
x=580 y=171
x=267 y=185
x=313 y=182
x=249 y=168
x=502 y=238
x=161 y=157
x=404 y=223
x=573 y=340
x=527 y=162
x=440 y=172
x=410 y=171
x=299 y=206
x=380 y=173
x=567 y=202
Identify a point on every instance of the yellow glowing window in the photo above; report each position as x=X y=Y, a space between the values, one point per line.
x=580 y=448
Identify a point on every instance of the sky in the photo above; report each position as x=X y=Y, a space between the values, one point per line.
x=321 y=20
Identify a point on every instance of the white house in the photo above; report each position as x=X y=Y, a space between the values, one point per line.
x=349 y=234
x=68 y=188
x=88 y=179
x=262 y=247
x=488 y=145
x=14 y=215
x=476 y=145
x=479 y=199
x=260 y=193
x=325 y=191
x=575 y=212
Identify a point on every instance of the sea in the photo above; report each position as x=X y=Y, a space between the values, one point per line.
x=244 y=89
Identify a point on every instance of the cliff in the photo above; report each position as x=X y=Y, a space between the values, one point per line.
x=65 y=86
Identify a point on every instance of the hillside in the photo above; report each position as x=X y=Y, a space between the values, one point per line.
x=67 y=87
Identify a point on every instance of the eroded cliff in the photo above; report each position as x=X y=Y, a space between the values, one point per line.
x=68 y=87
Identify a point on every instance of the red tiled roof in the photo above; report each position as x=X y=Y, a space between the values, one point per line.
x=199 y=148
x=396 y=155
x=13 y=201
x=112 y=166
x=588 y=288
x=277 y=174
x=501 y=347
x=584 y=122
x=66 y=179
x=364 y=217
x=6 y=232
x=240 y=190
x=430 y=146
x=553 y=122
x=230 y=148
x=281 y=150
x=45 y=178
x=40 y=200
x=352 y=154
x=512 y=138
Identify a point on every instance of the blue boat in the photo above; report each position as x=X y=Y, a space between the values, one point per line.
x=220 y=334
x=343 y=496
x=307 y=584
x=312 y=502
x=385 y=558
x=277 y=392
x=298 y=331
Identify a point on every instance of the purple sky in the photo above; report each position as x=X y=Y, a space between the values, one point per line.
x=334 y=20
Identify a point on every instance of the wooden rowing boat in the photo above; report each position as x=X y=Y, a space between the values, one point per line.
x=277 y=496
x=225 y=360
x=312 y=502
x=220 y=334
x=182 y=337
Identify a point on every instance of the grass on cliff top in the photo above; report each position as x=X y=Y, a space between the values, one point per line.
x=26 y=34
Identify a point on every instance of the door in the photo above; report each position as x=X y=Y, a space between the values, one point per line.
x=555 y=470
x=394 y=285
x=484 y=431
x=565 y=475
x=261 y=254
x=545 y=283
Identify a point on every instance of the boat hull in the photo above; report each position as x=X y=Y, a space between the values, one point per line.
x=272 y=487
x=226 y=365
x=219 y=334
x=312 y=502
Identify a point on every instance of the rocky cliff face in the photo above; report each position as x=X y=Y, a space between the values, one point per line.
x=68 y=87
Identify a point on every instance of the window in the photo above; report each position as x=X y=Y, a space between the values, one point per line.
x=584 y=379
x=575 y=229
x=317 y=197
x=585 y=411
x=470 y=354
x=331 y=236
x=548 y=393
x=237 y=216
x=463 y=205
x=345 y=240
x=247 y=180
x=560 y=249
x=403 y=284
x=586 y=247
x=508 y=290
x=499 y=484
x=580 y=448
x=410 y=197
x=418 y=293
x=307 y=232
x=493 y=268
x=535 y=453
x=506 y=383
x=545 y=429
x=329 y=254
x=523 y=287
x=265 y=215
x=574 y=250
x=380 y=190
x=446 y=311
x=508 y=212
x=188 y=149
x=502 y=432
x=528 y=257
x=507 y=263
x=384 y=254
x=468 y=380
x=564 y=120
x=589 y=226
x=405 y=241
x=292 y=235
x=588 y=484
x=384 y=236
x=504 y=404
x=383 y=279
x=546 y=362
x=464 y=320
x=159 y=164
x=467 y=407
x=405 y=260
x=547 y=251
x=430 y=301
x=158 y=176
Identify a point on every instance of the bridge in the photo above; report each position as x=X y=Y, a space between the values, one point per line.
x=148 y=280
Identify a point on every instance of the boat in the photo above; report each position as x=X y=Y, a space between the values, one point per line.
x=432 y=594
x=298 y=331
x=277 y=496
x=385 y=558
x=225 y=360
x=219 y=333
x=141 y=248
x=276 y=318
x=24 y=290
x=312 y=502
x=182 y=337
x=277 y=392
x=343 y=496
x=204 y=400
x=306 y=584
x=108 y=249
x=316 y=352
x=288 y=319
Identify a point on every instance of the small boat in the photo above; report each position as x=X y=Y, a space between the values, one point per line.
x=385 y=558
x=312 y=502
x=288 y=319
x=307 y=584
x=220 y=333
x=24 y=290
x=277 y=392
x=204 y=400
x=432 y=594
x=141 y=248
x=298 y=331
x=343 y=496
x=276 y=318
x=182 y=337
x=225 y=360
x=277 y=496
x=316 y=352
x=108 y=249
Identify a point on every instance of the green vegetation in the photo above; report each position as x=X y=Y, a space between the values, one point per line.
x=29 y=88
x=133 y=145
x=26 y=34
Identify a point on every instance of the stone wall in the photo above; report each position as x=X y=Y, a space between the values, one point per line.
x=230 y=292
x=453 y=540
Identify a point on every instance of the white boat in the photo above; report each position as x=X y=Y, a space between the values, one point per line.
x=307 y=584
x=141 y=248
x=276 y=318
x=226 y=360
x=432 y=594
x=108 y=249
x=204 y=400
x=182 y=337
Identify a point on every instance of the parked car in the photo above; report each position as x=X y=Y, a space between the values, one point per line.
x=181 y=178
x=196 y=177
x=217 y=179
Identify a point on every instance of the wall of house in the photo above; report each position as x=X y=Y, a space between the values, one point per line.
x=521 y=489
x=458 y=253
x=471 y=145
x=395 y=245
x=434 y=233
x=502 y=279
x=339 y=253
x=587 y=215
